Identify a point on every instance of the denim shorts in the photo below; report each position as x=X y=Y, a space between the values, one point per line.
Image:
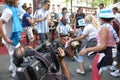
x=80 y=59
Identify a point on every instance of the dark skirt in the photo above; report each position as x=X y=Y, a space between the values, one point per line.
x=105 y=58
x=101 y=60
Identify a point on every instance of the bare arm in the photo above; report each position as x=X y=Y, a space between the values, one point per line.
x=80 y=38
x=2 y=33
x=37 y=19
x=103 y=38
x=30 y=21
x=64 y=68
x=40 y=19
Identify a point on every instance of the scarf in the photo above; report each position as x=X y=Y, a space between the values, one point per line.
x=116 y=38
x=16 y=27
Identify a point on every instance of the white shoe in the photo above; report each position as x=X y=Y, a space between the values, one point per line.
x=112 y=68
x=11 y=68
x=116 y=73
x=79 y=71
x=13 y=74
x=90 y=66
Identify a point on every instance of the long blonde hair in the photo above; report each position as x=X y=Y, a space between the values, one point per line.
x=91 y=19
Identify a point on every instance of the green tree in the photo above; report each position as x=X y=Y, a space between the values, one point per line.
x=115 y=1
x=95 y=3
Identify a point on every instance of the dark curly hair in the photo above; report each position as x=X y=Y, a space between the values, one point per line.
x=115 y=9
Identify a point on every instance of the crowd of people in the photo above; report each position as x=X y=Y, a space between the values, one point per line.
x=98 y=33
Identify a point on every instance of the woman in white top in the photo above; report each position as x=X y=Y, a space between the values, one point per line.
x=89 y=32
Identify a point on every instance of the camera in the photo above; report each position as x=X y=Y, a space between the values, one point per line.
x=32 y=67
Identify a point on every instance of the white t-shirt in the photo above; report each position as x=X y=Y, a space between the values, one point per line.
x=7 y=17
x=90 y=31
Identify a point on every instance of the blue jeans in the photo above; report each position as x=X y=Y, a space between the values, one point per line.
x=43 y=37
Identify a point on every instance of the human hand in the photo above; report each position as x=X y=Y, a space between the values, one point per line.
x=70 y=40
x=61 y=52
x=8 y=40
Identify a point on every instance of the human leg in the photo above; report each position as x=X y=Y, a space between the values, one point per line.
x=12 y=66
x=30 y=35
x=42 y=37
x=47 y=36
x=81 y=61
x=116 y=66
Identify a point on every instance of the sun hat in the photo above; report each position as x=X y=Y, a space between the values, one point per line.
x=106 y=13
x=81 y=22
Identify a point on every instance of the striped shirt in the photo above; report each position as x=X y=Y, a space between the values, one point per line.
x=64 y=29
x=42 y=26
x=66 y=17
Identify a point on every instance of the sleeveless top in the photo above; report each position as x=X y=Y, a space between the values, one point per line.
x=105 y=57
x=111 y=42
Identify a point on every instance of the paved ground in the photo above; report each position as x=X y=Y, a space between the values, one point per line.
x=72 y=65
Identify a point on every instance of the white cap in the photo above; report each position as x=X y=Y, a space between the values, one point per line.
x=106 y=13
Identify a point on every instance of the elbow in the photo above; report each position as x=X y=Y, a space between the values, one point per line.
x=103 y=47
x=34 y=20
x=32 y=23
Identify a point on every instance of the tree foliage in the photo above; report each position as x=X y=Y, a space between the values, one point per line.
x=95 y=3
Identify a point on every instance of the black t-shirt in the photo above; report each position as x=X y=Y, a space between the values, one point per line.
x=79 y=16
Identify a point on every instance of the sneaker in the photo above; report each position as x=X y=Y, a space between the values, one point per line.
x=90 y=66
x=11 y=68
x=13 y=74
x=79 y=71
x=116 y=73
x=112 y=68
